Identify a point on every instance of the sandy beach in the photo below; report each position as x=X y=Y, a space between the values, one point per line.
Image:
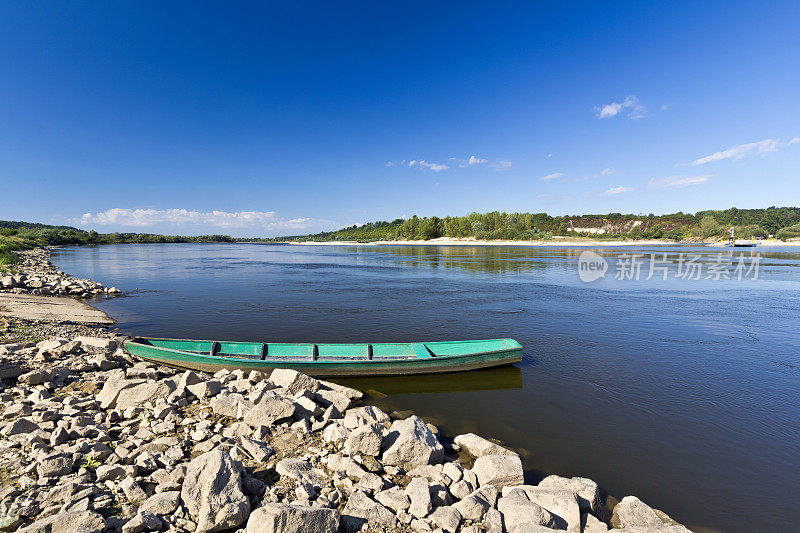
x=449 y=241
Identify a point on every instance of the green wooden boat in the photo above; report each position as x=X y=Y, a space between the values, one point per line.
x=323 y=360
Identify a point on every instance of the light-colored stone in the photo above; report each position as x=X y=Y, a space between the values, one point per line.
x=394 y=498
x=71 y=522
x=365 y=440
x=410 y=443
x=299 y=470
x=477 y=446
x=163 y=503
x=498 y=470
x=563 y=504
x=631 y=513
x=283 y=518
x=447 y=518
x=474 y=506
x=268 y=411
x=111 y=389
x=146 y=392
x=590 y=524
x=361 y=509
x=519 y=513
x=212 y=492
x=293 y=380
x=586 y=489
x=419 y=493
x=96 y=344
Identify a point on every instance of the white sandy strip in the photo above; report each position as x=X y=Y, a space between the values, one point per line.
x=449 y=241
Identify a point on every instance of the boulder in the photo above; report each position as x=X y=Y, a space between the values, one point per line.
x=293 y=380
x=299 y=470
x=205 y=389
x=97 y=344
x=562 y=504
x=55 y=464
x=284 y=518
x=519 y=513
x=499 y=470
x=258 y=450
x=361 y=509
x=447 y=518
x=19 y=426
x=631 y=512
x=142 y=521
x=410 y=443
x=163 y=503
x=419 y=493
x=474 y=506
x=212 y=492
x=111 y=389
x=71 y=522
x=586 y=489
x=146 y=392
x=364 y=440
x=268 y=411
x=590 y=524
x=35 y=377
x=394 y=498
x=478 y=446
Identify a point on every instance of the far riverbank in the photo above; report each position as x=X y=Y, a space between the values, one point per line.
x=450 y=241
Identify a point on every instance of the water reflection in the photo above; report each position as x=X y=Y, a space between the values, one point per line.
x=501 y=378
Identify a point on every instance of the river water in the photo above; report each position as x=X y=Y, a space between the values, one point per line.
x=683 y=391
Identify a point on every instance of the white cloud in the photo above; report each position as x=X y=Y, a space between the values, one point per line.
x=540 y=196
x=679 y=182
x=183 y=217
x=740 y=151
x=618 y=190
x=606 y=172
x=390 y=163
x=630 y=106
x=436 y=167
x=549 y=155
x=499 y=166
x=476 y=160
x=553 y=176
x=795 y=140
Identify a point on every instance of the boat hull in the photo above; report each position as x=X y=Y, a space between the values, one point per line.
x=509 y=352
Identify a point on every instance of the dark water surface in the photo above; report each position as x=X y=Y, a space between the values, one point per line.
x=683 y=392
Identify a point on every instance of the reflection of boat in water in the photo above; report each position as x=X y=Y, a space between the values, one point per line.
x=500 y=378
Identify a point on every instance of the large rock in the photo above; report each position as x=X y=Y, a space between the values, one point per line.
x=212 y=492
x=146 y=392
x=55 y=464
x=478 y=446
x=447 y=518
x=361 y=509
x=20 y=426
x=499 y=470
x=563 y=504
x=474 y=506
x=111 y=389
x=632 y=513
x=71 y=522
x=293 y=380
x=410 y=443
x=268 y=411
x=284 y=518
x=586 y=489
x=97 y=344
x=519 y=513
x=299 y=470
x=364 y=440
x=163 y=503
x=419 y=493
x=394 y=498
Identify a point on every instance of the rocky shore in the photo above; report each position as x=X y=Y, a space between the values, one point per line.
x=93 y=440
x=35 y=274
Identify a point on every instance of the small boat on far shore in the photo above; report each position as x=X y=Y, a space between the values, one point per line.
x=328 y=360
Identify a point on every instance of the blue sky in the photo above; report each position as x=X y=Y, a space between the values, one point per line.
x=273 y=119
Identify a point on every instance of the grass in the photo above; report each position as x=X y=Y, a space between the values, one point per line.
x=9 y=244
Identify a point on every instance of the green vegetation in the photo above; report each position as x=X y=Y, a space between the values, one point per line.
x=777 y=221
x=26 y=235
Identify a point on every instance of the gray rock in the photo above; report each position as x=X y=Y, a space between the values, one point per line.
x=293 y=380
x=96 y=344
x=258 y=450
x=499 y=470
x=361 y=509
x=284 y=518
x=447 y=518
x=394 y=498
x=299 y=470
x=410 y=443
x=57 y=464
x=71 y=522
x=35 y=377
x=268 y=411
x=365 y=440
x=586 y=489
x=212 y=492
x=590 y=524
x=163 y=503
x=419 y=492
x=146 y=392
x=142 y=521
x=519 y=513
x=19 y=426
x=112 y=472
x=111 y=389
x=328 y=397
x=478 y=446
x=474 y=506
x=205 y=389
x=563 y=504
x=631 y=513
